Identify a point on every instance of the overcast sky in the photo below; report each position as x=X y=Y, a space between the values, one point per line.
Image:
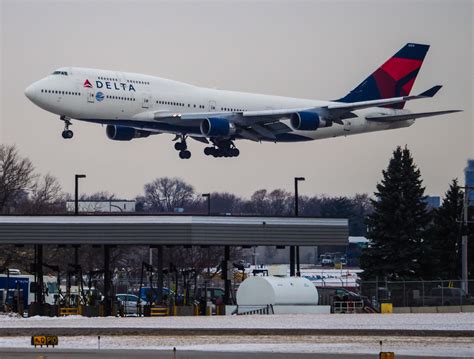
x=308 y=49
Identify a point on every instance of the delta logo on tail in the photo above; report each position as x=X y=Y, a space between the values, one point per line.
x=394 y=78
x=87 y=84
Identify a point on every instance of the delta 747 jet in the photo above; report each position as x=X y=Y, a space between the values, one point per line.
x=133 y=105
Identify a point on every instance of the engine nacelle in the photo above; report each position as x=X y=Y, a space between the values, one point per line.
x=307 y=121
x=122 y=133
x=217 y=127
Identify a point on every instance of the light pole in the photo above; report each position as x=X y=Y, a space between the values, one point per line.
x=76 y=212
x=297 y=179
x=76 y=192
x=208 y=195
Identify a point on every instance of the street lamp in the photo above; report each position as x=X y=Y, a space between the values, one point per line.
x=298 y=271
x=76 y=212
x=208 y=195
x=76 y=189
x=297 y=179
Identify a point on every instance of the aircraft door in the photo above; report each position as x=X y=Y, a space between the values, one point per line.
x=146 y=101
x=212 y=106
x=90 y=97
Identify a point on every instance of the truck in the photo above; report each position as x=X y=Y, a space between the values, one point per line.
x=17 y=288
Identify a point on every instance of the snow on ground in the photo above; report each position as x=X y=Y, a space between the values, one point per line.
x=451 y=321
x=454 y=347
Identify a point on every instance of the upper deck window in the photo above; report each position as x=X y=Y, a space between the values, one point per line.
x=64 y=73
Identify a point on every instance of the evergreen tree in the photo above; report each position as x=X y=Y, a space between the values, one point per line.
x=397 y=226
x=442 y=257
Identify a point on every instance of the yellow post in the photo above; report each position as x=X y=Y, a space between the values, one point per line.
x=387 y=355
x=386 y=308
x=175 y=310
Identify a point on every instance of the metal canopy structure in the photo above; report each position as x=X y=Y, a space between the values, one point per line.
x=173 y=230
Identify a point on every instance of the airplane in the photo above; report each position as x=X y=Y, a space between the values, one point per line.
x=133 y=106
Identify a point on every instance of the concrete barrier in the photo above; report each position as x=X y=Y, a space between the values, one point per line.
x=450 y=309
x=440 y=309
x=401 y=310
x=467 y=308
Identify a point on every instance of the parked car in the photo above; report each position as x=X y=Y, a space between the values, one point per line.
x=213 y=293
x=148 y=294
x=129 y=303
x=327 y=260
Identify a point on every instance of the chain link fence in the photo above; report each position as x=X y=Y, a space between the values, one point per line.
x=419 y=293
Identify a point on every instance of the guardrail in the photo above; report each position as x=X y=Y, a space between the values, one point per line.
x=267 y=309
x=348 y=306
x=159 y=311
x=69 y=311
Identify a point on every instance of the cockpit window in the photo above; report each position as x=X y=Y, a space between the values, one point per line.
x=64 y=73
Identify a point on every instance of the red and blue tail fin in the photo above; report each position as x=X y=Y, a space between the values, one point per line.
x=395 y=78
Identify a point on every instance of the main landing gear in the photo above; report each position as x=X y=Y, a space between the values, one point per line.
x=182 y=147
x=67 y=133
x=222 y=149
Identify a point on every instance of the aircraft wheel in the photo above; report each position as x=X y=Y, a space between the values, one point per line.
x=67 y=134
x=208 y=151
x=180 y=146
x=184 y=155
x=235 y=152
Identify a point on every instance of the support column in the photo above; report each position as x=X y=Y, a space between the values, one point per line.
x=298 y=269
x=292 y=261
x=39 y=269
x=76 y=264
x=225 y=269
x=107 y=282
x=159 y=267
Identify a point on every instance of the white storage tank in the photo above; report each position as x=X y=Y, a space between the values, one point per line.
x=277 y=291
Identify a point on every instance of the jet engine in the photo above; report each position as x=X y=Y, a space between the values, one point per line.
x=307 y=121
x=217 y=127
x=122 y=133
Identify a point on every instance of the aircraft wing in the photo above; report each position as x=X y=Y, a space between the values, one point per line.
x=256 y=125
x=407 y=116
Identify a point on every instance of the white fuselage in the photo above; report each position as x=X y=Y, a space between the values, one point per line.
x=114 y=96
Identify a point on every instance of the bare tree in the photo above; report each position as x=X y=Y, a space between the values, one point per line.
x=98 y=196
x=165 y=194
x=46 y=196
x=275 y=203
x=16 y=175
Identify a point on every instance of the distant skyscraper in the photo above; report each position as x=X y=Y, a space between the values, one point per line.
x=469 y=180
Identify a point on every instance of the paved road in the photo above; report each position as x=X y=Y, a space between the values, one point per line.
x=164 y=354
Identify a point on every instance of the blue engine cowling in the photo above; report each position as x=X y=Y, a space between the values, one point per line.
x=122 y=133
x=217 y=127
x=306 y=121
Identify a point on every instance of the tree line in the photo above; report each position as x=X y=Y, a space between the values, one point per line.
x=23 y=191
x=407 y=240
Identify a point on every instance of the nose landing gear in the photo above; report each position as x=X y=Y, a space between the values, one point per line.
x=67 y=133
x=182 y=147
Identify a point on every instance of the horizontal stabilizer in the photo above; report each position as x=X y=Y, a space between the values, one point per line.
x=431 y=92
x=408 y=116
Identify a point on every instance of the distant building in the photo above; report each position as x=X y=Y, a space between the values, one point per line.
x=114 y=205
x=433 y=202
x=469 y=180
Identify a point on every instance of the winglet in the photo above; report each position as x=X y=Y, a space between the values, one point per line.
x=431 y=92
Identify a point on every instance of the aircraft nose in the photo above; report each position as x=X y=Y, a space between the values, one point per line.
x=30 y=92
